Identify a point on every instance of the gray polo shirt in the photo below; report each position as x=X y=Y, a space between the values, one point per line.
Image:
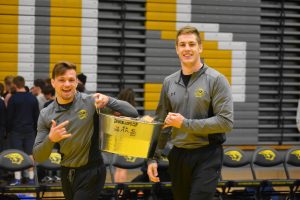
x=81 y=147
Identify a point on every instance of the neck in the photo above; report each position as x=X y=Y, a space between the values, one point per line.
x=187 y=70
x=62 y=101
x=20 y=90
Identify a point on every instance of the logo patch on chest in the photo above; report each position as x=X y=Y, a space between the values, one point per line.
x=199 y=92
x=82 y=114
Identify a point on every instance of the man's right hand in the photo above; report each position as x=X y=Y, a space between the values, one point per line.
x=152 y=172
x=58 y=132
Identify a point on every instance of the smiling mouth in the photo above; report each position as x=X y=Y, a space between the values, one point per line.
x=66 y=91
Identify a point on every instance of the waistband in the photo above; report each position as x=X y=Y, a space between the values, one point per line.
x=84 y=167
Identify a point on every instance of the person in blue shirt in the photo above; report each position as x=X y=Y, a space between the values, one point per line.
x=22 y=116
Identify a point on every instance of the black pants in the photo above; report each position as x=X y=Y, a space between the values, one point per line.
x=195 y=172
x=83 y=183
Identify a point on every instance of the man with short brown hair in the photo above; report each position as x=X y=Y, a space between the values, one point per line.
x=196 y=102
x=72 y=122
x=22 y=115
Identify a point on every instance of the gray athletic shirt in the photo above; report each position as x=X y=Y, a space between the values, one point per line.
x=207 y=87
x=76 y=149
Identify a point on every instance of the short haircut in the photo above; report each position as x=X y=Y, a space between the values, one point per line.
x=61 y=67
x=39 y=83
x=48 y=89
x=19 y=81
x=8 y=80
x=82 y=77
x=128 y=95
x=188 y=30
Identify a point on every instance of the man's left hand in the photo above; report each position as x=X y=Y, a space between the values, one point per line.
x=101 y=100
x=173 y=119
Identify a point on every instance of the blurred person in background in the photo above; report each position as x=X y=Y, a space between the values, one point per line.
x=2 y=124
x=37 y=90
x=2 y=131
x=22 y=116
x=2 y=91
x=81 y=83
x=49 y=93
x=9 y=89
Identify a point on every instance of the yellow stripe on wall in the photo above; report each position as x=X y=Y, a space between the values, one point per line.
x=152 y=87
x=155 y=25
x=158 y=16
x=8 y=48
x=150 y=105
x=9 y=2
x=70 y=40
x=161 y=1
x=151 y=95
x=66 y=3
x=8 y=9
x=9 y=19
x=9 y=38
x=62 y=25
x=150 y=7
x=65 y=12
x=58 y=31
x=216 y=54
x=11 y=29
x=65 y=49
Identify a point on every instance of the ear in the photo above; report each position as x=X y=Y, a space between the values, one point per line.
x=53 y=83
x=176 y=48
x=200 y=48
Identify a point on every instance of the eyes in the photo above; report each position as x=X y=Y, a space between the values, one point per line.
x=63 y=80
x=189 y=44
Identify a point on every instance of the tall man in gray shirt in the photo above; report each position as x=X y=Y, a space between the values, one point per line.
x=196 y=102
x=72 y=122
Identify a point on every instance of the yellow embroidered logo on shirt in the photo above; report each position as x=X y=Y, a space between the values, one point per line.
x=199 y=92
x=82 y=114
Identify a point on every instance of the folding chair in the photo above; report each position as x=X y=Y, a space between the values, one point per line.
x=15 y=160
x=51 y=164
x=126 y=162
x=107 y=159
x=266 y=161
x=236 y=169
x=292 y=170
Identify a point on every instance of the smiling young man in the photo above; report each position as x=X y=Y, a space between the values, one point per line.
x=72 y=122
x=196 y=102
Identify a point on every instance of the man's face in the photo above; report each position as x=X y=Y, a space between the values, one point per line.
x=188 y=50
x=35 y=90
x=65 y=86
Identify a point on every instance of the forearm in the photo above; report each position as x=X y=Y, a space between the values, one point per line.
x=122 y=107
x=42 y=148
x=216 y=124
